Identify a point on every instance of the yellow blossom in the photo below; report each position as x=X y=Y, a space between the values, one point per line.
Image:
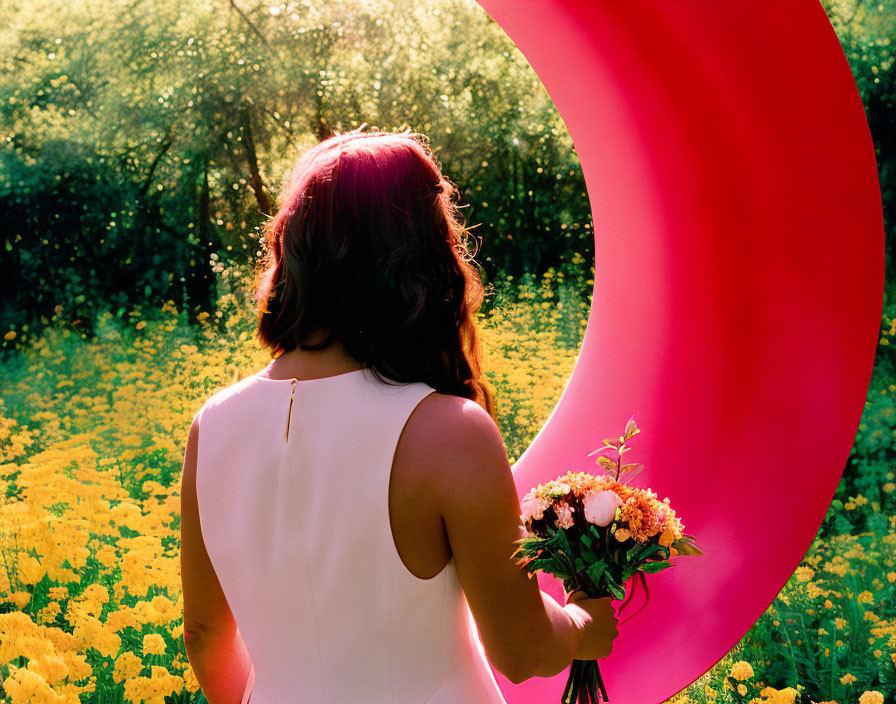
x=190 y=681
x=847 y=678
x=127 y=666
x=51 y=668
x=838 y=566
x=20 y=599
x=25 y=685
x=871 y=697
x=49 y=612
x=779 y=696
x=741 y=670
x=154 y=644
x=804 y=573
x=814 y=591
x=58 y=592
x=78 y=667
x=622 y=534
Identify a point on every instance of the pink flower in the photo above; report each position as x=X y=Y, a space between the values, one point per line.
x=533 y=506
x=600 y=506
x=564 y=514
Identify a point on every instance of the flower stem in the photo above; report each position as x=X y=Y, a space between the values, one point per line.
x=570 y=693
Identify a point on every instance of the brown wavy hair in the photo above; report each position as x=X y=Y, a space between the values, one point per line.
x=369 y=245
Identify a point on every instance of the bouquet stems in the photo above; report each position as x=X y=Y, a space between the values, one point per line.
x=583 y=682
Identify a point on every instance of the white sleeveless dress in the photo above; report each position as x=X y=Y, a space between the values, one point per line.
x=298 y=532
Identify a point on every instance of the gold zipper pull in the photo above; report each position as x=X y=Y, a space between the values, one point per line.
x=289 y=412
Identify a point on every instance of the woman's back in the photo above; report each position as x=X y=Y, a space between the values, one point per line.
x=293 y=485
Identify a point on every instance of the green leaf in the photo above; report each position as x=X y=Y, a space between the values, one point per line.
x=615 y=588
x=634 y=550
x=585 y=539
x=541 y=563
x=606 y=463
x=563 y=541
x=608 y=575
x=651 y=567
x=630 y=471
x=645 y=550
x=686 y=547
x=559 y=566
x=595 y=571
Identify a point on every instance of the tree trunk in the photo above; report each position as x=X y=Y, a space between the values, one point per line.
x=255 y=180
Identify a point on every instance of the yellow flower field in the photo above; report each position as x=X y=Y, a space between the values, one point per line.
x=91 y=444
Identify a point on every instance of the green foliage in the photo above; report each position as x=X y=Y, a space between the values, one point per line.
x=141 y=140
x=65 y=251
x=866 y=493
x=832 y=621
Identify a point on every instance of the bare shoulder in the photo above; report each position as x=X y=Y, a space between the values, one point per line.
x=458 y=455
x=446 y=429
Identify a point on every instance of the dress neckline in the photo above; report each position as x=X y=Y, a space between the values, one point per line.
x=291 y=380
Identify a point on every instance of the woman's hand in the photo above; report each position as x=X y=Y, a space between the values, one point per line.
x=597 y=619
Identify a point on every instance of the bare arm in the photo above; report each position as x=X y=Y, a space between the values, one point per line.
x=214 y=646
x=524 y=631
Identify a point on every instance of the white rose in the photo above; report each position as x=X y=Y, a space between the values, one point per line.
x=600 y=506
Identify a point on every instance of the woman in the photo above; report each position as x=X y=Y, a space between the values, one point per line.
x=357 y=505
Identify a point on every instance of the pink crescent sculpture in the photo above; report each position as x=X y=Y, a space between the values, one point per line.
x=737 y=300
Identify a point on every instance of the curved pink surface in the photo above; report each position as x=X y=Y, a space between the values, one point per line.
x=738 y=295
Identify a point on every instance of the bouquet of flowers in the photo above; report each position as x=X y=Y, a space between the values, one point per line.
x=594 y=533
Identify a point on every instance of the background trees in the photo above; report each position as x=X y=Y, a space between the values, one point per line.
x=139 y=137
